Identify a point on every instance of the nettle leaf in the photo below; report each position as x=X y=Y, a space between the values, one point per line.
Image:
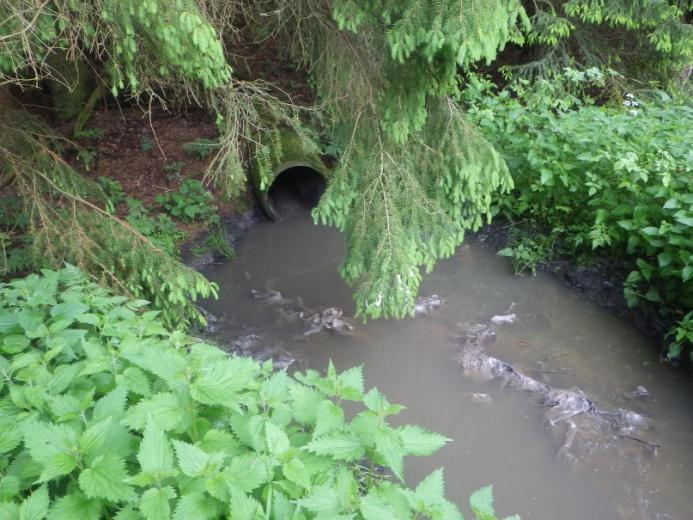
x=389 y=446
x=135 y=380
x=163 y=408
x=197 y=506
x=158 y=359
x=247 y=472
x=53 y=446
x=417 y=441
x=350 y=383
x=304 y=404
x=275 y=389
x=323 y=500
x=277 y=441
x=191 y=459
x=95 y=436
x=155 y=454
x=244 y=507
x=374 y=507
x=10 y=436
x=220 y=441
x=35 y=506
x=9 y=487
x=295 y=471
x=376 y=402
x=340 y=445
x=219 y=383
x=105 y=478
x=481 y=503
x=75 y=506
x=154 y=503
x=329 y=417
x=65 y=407
x=111 y=405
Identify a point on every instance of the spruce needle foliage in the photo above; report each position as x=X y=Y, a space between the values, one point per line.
x=68 y=225
x=644 y=39
x=413 y=175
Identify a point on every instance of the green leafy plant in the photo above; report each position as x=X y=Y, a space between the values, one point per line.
x=162 y=231
x=190 y=202
x=87 y=156
x=528 y=250
x=146 y=143
x=113 y=192
x=95 y=133
x=201 y=148
x=218 y=242
x=609 y=180
x=106 y=414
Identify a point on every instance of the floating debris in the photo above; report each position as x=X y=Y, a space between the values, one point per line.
x=581 y=416
x=426 y=305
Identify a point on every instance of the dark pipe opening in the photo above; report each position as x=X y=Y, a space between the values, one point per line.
x=295 y=191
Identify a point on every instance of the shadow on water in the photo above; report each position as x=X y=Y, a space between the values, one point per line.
x=559 y=338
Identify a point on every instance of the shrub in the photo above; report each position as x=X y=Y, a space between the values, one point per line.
x=162 y=231
x=191 y=201
x=107 y=414
x=612 y=180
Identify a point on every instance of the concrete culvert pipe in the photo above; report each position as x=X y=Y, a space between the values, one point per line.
x=296 y=182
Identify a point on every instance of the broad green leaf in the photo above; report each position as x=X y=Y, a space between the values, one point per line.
x=158 y=359
x=154 y=503
x=389 y=446
x=10 y=436
x=9 y=511
x=295 y=471
x=105 y=478
x=10 y=486
x=155 y=454
x=111 y=405
x=304 y=403
x=275 y=389
x=481 y=503
x=95 y=435
x=163 y=408
x=431 y=490
x=244 y=507
x=220 y=441
x=340 y=445
x=277 y=441
x=191 y=459
x=417 y=441
x=329 y=417
x=52 y=446
x=197 y=506
x=219 y=383
x=373 y=507
x=247 y=472
x=351 y=384
x=135 y=380
x=75 y=506
x=323 y=500
x=35 y=506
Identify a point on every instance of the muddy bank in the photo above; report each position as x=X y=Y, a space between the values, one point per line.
x=601 y=282
x=236 y=225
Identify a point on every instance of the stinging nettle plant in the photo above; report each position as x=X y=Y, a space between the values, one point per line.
x=106 y=414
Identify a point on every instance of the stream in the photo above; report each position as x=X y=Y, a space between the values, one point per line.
x=501 y=435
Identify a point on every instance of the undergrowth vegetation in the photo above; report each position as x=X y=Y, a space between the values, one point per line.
x=107 y=414
x=599 y=180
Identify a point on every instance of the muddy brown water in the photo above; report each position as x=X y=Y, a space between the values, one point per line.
x=559 y=338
